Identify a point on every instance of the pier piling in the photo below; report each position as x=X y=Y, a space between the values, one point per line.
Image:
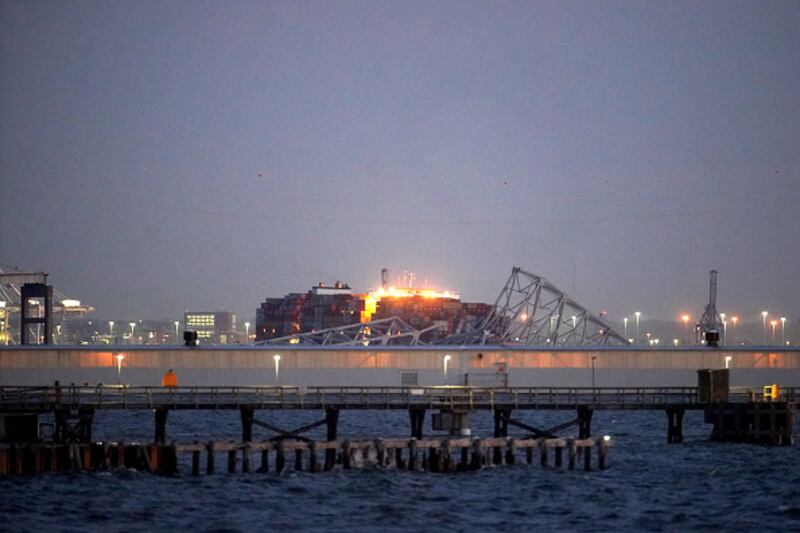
x=417 y=416
x=584 y=422
x=332 y=423
x=674 y=424
x=247 y=456
x=210 y=458
x=247 y=416
x=161 y=424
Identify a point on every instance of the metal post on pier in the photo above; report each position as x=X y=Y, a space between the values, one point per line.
x=332 y=423
x=584 y=422
x=161 y=424
x=247 y=423
x=417 y=416
x=501 y=417
x=675 y=424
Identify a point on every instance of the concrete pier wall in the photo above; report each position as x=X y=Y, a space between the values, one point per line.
x=389 y=366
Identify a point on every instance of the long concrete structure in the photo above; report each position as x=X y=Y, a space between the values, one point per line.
x=394 y=366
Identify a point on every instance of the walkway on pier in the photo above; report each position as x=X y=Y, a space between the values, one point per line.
x=43 y=399
x=736 y=416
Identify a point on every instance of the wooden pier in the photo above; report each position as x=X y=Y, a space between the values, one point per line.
x=735 y=417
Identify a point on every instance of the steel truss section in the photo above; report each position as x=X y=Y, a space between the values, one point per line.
x=377 y=332
x=531 y=311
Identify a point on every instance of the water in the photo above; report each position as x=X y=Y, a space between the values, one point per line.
x=650 y=485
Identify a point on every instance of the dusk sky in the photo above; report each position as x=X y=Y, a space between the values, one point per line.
x=163 y=156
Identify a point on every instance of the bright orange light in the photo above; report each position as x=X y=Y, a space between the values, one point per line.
x=372 y=298
x=773 y=322
x=370 y=306
x=734 y=319
x=685 y=318
x=410 y=292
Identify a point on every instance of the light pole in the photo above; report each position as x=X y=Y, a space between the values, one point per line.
x=445 y=363
x=593 y=359
x=773 y=323
x=111 y=328
x=638 y=314
x=58 y=333
x=277 y=359
x=625 y=321
x=734 y=319
x=247 y=331
x=764 y=326
x=177 y=324
x=783 y=331
x=133 y=326
x=724 y=328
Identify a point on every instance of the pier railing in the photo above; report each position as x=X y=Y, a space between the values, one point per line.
x=270 y=397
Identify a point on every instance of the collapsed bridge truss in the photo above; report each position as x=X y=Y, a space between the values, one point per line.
x=377 y=332
x=531 y=311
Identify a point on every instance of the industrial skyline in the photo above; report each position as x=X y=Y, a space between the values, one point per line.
x=156 y=158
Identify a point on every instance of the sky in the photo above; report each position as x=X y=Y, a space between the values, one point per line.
x=161 y=156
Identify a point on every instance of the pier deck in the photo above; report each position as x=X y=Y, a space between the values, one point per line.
x=107 y=397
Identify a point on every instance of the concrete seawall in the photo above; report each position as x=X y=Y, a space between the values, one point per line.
x=393 y=366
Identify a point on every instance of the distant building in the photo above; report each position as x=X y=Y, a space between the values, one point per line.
x=212 y=327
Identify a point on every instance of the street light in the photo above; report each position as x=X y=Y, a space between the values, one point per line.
x=132 y=325
x=773 y=323
x=685 y=319
x=177 y=323
x=783 y=331
x=764 y=326
x=277 y=359
x=728 y=361
x=111 y=328
x=247 y=331
x=58 y=332
x=724 y=328
x=445 y=363
x=734 y=319
x=625 y=321
x=593 y=359
x=638 y=314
